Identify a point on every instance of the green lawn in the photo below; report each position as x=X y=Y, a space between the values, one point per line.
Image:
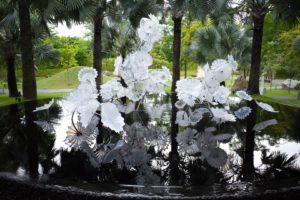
x=5 y=100
x=284 y=96
x=282 y=92
x=67 y=79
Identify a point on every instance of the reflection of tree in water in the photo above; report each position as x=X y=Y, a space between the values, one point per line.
x=286 y=129
x=276 y=165
x=23 y=144
x=156 y=169
x=248 y=157
x=139 y=154
x=295 y=127
x=32 y=137
x=75 y=165
x=12 y=148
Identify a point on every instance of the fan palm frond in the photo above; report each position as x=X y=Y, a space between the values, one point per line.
x=220 y=40
x=288 y=10
x=279 y=160
x=137 y=9
x=46 y=53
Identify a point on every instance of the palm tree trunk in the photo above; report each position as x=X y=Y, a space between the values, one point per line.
x=123 y=55
x=11 y=76
x=29 y=82
x=253 y=86
x=97 y=62
x=175 y=78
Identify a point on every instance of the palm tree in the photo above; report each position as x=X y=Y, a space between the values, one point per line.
x=10 y=39
x=178 y=8
x=97 y=46
x=45 y=12
x=29 y=81
x=98 y=10
x=257 y=9
x=288 y=10
x=135 y=10
x=9 y=36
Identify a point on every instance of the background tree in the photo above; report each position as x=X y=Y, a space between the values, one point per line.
x=297 y=44
x=291 y=59
x=188 y=36
x=271 y=48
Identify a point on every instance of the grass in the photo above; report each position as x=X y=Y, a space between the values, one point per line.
x=282 y=92
x=5 y=100
x=284 y=96
x=295 y=102
x=67 y=79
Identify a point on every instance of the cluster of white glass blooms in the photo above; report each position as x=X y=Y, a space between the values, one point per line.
x=207 y=97
x=197 y=99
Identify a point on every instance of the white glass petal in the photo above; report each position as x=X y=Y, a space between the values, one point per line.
x=44 y=107
x=243 y=112
x=266 y=107
x=111 y=117
x=260 y=126
x=243 y=95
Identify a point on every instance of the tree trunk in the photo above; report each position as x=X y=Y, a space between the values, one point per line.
x=97 y=62
x=175 y=78
x=31 y=132
x=185 y=68
x=253 y=86
x=11 y=76
x=123 y=55
x=29 y=82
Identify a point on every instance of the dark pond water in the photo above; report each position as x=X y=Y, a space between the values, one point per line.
x=256 y=161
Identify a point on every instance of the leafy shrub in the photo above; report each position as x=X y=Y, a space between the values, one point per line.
x=108 y=64
x=158 y=63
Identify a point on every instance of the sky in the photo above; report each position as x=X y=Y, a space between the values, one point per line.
x=77 y=30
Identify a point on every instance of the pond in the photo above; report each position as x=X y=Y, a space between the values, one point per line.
x=254 y=162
